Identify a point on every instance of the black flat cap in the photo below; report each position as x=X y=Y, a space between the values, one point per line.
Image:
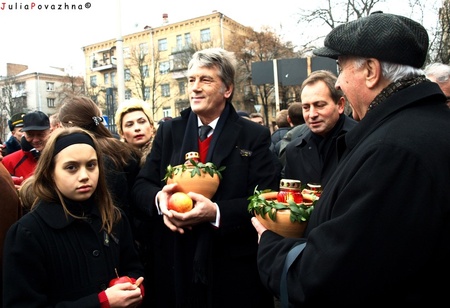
x=386 y=37
x=36 y=120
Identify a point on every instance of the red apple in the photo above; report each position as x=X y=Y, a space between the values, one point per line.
x=17 y=180
x=180 y=202
x=121 y=279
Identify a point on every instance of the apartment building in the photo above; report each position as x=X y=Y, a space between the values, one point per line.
x=155 y=62
x=26 y=89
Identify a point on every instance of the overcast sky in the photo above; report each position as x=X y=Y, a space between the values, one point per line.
x=44 y=37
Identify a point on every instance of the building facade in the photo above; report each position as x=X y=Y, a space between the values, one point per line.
x=25 y=89
x=155 y=62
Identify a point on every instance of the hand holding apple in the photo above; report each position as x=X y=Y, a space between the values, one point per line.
x=180 y=202
x=124 y=279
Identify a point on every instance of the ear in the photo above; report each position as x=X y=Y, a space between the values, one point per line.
x=228 y=91
x=373 y=72
x=341 y=105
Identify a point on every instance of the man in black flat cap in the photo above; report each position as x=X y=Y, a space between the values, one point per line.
x=36 y=128
x=15 y=126
x=380 y=232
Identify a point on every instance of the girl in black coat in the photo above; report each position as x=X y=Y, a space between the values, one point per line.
x=68 y=248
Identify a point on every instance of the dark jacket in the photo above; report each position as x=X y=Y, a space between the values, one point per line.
x=10 y=209
x=241 y=146
x=279 y=134
x=311 y=158
x=12 y=145
x=381 y=230
x=51 y=261
x=280 y=148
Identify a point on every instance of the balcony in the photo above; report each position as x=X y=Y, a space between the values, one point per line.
x=104 y=64
x=18 y=93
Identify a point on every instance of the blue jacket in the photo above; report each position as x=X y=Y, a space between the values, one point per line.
x=12 y=145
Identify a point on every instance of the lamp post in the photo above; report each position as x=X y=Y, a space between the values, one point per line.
x=120 y=64
x=110 y=109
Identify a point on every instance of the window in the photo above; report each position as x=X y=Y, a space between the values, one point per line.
x=106 y=78
x=93 y=80
x=179 y=42
x=144 y=71
x=146 y=93
x=113 y=78
x=205 y=35
x=164 y=67
x=20 y=86
x=127 y=74
x=50 y=86
x=162 y=45
x=165 y=90
x=167 y=112
x=182 y=87
x=51 y=102
x=127 y=94
x=179 y=62
x=143 y=49
x=187 y=39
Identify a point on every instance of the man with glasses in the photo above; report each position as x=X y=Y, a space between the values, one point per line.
x=21 y=164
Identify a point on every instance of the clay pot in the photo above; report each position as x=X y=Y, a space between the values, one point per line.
x=282 y=224
x=202 y=184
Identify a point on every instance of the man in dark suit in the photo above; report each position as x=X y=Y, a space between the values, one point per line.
x=311 y=157
x=207 y=256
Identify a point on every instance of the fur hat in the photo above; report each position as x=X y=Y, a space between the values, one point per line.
x=386 y=37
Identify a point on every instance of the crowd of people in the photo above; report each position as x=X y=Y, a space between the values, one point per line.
x=83 y=208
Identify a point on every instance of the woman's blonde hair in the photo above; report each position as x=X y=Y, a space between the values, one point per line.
x=130 y=105
x=45 y=188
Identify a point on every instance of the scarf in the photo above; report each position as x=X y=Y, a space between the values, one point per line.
x=395 y=87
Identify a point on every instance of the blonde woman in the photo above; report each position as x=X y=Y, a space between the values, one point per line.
x=135 y=125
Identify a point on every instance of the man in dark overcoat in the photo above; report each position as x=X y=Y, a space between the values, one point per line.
x=207 y=256
x=380 y=232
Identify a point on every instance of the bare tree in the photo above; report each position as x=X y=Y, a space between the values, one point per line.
x=11 y=100
x=440 y=40
x=256 y=47
x=328 y=14
x=138 y=67
x=71 y=85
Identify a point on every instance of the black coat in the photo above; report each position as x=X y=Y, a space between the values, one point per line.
x=381 y=231
x=313 y=159
x=242 y=146
x=51 y=261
